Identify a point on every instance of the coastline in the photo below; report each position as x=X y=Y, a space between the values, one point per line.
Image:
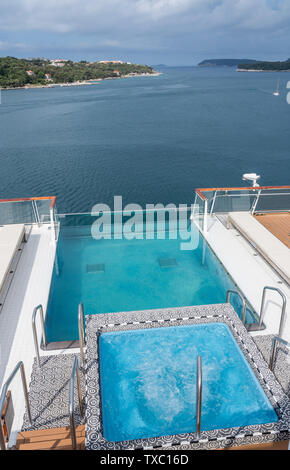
x=261 y=70
x=93 y=81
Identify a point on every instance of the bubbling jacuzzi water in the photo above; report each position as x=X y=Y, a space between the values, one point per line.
x=148 y=382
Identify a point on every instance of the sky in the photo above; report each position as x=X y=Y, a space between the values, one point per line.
x=172 y=32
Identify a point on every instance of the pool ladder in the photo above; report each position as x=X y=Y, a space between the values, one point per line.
x=262 y=309
x=81 y=328
x=229 y=293
x=283 y=309
x=75 y=374
x=19 y=366
x=39 y=309
x=278 y=338
x=198 y=396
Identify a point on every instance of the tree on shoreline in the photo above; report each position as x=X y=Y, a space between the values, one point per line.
x=266 y=66
x=22 y=72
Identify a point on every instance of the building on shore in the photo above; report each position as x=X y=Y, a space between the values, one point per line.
x=58 y=62
x=113 y=62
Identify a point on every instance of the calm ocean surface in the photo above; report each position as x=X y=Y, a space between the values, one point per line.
x=149 y=139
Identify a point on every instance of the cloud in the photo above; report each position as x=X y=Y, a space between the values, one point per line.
x=64 y=16
x=4 y=45
x=151 y=24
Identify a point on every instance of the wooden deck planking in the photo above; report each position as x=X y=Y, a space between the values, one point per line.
x=278 y=224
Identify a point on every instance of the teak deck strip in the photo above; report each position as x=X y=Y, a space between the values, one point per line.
x=50 y=439
x=282 y=445
x=277 y=224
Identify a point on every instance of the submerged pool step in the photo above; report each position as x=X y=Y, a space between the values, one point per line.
x=167 y=262
x=96 y=268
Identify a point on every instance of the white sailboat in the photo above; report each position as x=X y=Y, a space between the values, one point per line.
x=277 y=93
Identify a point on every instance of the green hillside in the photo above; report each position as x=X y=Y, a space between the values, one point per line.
x=22 y=72
x=266 y=66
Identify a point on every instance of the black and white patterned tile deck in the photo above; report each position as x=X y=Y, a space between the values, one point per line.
x=96 y=324
x=282 y=360
x=49 y=393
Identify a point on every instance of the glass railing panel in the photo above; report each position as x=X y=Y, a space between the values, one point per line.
x=17 y=212
x=115 y=223
x=198 y=211
x=258 y=199
x=273 y=202
x=43 y=210
x=233 y=203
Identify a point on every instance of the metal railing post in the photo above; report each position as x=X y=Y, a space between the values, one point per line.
x=35 y=210
x=283 y=311
x=81 y=321
x=40 y=309
x=75 y=373
x=198 y=396
x=273 y=349
x=253 y=208
x=52 y=223
x=3 y=398
x=205 y=216
x=213 y=203
x=229 y=292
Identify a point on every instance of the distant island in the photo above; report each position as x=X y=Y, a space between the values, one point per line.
x=264 y=66
x=30 y=73
x=225 y=62
x=248 y=65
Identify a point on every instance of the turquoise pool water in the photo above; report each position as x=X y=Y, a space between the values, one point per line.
x=125 y=275
x=148 y=382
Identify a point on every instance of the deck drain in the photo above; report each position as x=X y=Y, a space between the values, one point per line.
x=167 y=262
x=95 y=268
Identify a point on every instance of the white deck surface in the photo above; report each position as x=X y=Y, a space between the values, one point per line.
x=30 y=287
x=11 y=237
x=271 y=248
x=251 y=273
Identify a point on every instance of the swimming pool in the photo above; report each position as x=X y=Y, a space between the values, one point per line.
x=148 y=380
x=126 y=275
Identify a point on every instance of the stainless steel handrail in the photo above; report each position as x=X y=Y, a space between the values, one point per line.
x=229 y=292
x=283 y=311
x=213 y=203
x=204 y=226
x=81 y=322
x=198 y=396
x=253 y=208
x=75 y=373
x=274 y=347
x=129 y=212
x=38 y=309
x=3 y=398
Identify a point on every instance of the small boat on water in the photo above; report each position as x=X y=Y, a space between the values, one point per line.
x=276 y=92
